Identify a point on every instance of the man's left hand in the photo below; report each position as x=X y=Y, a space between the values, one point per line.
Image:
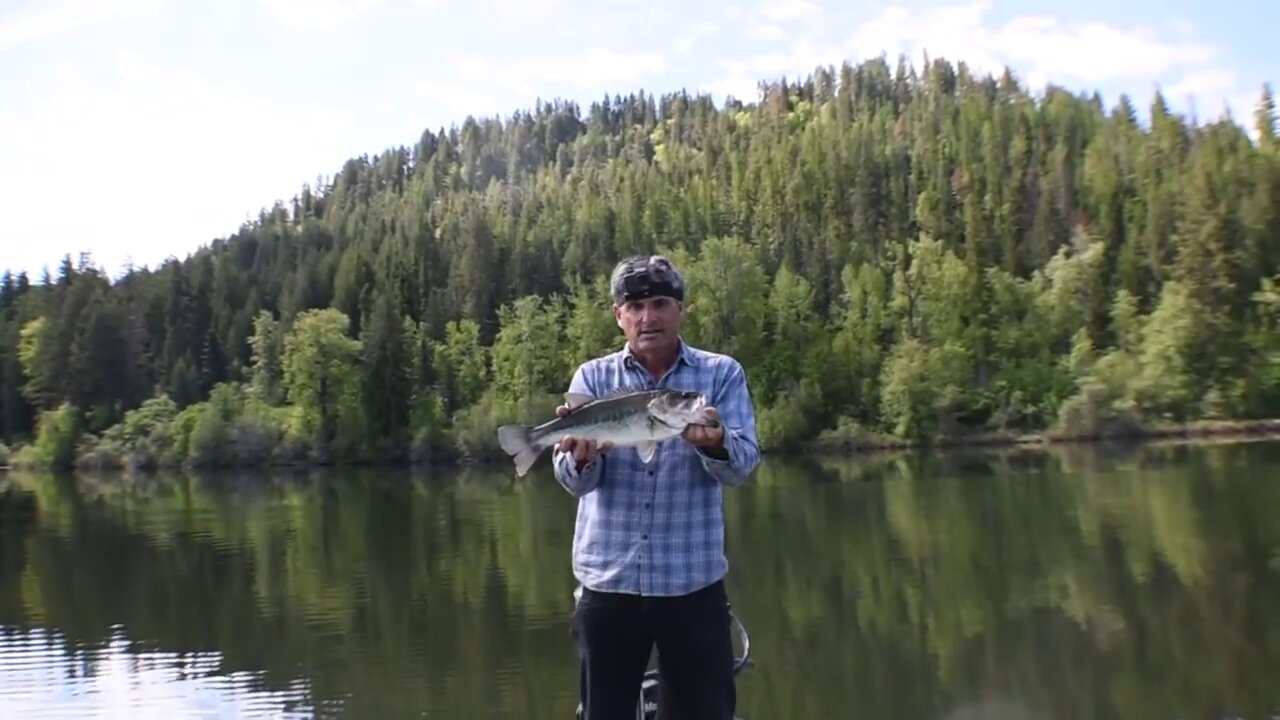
x=710 y=439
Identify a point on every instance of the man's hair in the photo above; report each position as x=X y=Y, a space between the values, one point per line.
x=643 y=276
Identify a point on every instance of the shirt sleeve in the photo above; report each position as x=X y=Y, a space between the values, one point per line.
x=737 y=413
x=578 y=482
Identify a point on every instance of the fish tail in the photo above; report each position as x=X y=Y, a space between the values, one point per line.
x=515 y=441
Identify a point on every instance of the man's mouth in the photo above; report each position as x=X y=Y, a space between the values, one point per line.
x=650 y=333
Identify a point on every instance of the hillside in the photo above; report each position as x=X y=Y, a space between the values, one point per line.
x=887 y=253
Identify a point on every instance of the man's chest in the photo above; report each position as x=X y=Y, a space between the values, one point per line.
x=625 y=376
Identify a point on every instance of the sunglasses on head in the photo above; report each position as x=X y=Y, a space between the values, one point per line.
x=647 y=277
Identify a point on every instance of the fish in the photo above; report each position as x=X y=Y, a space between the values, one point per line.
x=639 y=419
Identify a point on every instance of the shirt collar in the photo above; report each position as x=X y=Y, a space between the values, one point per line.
x=684 y=354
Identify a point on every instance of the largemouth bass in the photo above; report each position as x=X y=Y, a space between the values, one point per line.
x=640 y=419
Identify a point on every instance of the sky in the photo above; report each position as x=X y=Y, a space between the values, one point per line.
x=137 y=130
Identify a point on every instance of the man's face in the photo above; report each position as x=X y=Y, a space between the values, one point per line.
x=650 y=323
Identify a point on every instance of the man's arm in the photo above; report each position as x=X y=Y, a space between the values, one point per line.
x=578 y=481
x=733 y=463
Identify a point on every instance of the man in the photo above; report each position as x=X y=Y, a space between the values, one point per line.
x=648 y=547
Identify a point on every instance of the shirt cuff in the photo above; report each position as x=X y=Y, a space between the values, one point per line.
x=727 y=470
x=577 y=482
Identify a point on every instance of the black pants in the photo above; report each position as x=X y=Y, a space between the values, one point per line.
x=616 y=633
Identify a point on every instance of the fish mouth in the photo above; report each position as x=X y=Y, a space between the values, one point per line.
x=696 y=409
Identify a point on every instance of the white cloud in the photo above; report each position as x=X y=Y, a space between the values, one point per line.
x=742 y=76
x=1203 y=83
x=534 y=76
x=787 y=9
x=1039 y=48
x=538 y=11
x=459 y=98
x=318 y=15
x=954 y=32
x=54 y=19
x=159 y=163
x=697 y=32
x=590 y=69
x=1084 y=56
x=1182 y=27
x=1039 y=45
x=1095 y=52
x=768 y=32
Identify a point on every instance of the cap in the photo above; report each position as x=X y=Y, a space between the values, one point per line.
x=644 y=276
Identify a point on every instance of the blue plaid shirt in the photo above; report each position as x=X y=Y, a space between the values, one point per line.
x=659 y=530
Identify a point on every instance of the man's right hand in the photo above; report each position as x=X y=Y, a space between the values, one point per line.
x=583 y=450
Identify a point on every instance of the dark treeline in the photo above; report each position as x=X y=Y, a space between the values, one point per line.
x=890 y=254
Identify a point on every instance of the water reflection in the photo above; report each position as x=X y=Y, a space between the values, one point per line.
x=45 y=678
x=1078 y=583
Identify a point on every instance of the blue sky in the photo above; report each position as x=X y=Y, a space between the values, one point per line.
x=140 y=129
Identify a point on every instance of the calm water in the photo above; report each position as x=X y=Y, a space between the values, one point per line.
x=1071 y=584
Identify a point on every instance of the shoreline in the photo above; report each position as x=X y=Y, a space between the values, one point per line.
x=828 y=447
x=1196 y=429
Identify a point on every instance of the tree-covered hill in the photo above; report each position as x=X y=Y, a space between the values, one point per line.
x=888 y=253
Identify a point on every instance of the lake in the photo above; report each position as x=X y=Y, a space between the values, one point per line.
x=1078 y=582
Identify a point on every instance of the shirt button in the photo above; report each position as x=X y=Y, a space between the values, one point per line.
x=644 y=537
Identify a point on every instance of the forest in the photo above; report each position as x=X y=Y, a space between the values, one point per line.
x=895 y=255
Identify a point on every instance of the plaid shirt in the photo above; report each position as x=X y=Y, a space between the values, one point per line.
x=659 y=530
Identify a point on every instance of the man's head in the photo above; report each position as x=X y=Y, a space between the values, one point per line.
x=648 y=299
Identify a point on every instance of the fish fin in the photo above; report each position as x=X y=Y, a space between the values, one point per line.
x=647 y=450
x=577 y=400
x=514 y=440
x=612 y=393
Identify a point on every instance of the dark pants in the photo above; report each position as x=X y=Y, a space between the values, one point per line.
x=615 y=634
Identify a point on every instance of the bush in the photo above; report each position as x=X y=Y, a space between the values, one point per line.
x=791 y=418
x=850 y=434
x=57 y=433
x=1094 y=413
x=476 y=427
x=99 y=454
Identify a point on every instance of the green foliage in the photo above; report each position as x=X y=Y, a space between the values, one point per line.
x=590 y=328
x=726 y=298
x=885 y=250
x=527 y=354
x=321 y=377
x=462 y=364
x=924 y=387
x=1165 y=382
x=30 y=354
x=57 y=433
x=266 y=370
